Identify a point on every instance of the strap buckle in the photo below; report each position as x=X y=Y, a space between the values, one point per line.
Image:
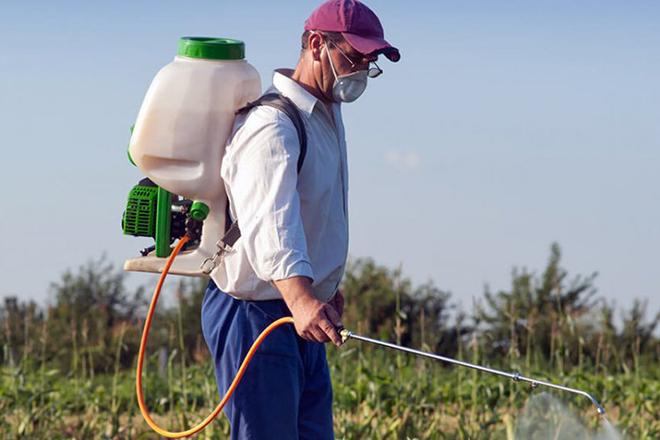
x=210 y=263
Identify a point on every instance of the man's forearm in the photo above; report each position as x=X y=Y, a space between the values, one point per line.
x=295 y=289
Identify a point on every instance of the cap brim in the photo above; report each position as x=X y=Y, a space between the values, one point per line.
x=369 y=45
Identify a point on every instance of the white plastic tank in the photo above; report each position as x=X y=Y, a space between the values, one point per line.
x=187 y=114
x=186 y=117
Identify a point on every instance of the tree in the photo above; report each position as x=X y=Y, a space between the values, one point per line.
x=637 y=336
x=90 y=306
x=20 y=322
x=540 y=316
x=382 y=303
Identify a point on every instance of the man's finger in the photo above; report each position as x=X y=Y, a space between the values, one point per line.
x=301 y=331
x=329 y=326
x=308 y=335
x=332 y=333
x=319 y=334
x=333 y=317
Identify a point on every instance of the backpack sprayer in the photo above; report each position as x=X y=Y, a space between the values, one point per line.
x=178 y=142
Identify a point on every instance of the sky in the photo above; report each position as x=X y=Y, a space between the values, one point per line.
x=506 y=126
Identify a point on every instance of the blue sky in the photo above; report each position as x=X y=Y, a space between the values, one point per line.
x=506 y=126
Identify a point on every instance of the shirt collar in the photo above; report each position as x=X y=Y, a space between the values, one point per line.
x=304 y=100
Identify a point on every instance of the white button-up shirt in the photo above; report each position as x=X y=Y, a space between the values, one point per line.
x=292 y=224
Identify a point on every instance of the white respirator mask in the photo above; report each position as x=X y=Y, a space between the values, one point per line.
x=348 y=87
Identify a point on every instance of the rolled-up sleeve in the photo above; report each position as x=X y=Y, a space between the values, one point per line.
x=261 y=178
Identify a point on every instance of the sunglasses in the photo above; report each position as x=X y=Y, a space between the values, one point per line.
x=372 y=72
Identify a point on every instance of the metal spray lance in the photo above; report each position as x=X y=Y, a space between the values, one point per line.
x=515 y=376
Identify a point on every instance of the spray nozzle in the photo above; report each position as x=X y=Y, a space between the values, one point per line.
x=345 y=334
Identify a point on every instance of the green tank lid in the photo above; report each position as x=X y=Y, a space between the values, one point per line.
x=211 y=48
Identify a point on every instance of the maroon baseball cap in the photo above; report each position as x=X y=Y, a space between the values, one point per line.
x=356 y=22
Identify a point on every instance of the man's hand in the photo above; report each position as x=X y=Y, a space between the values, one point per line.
x=314 y=320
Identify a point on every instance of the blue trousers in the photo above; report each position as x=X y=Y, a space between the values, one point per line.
x=286 y=392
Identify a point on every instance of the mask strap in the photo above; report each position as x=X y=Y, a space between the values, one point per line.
x=332 y=66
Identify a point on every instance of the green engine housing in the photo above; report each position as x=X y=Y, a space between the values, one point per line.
x=148 y=213
x=140 y=215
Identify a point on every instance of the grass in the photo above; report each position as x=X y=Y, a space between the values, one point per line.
x=378 y=395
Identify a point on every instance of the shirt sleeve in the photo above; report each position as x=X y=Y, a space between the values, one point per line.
x=261 y=178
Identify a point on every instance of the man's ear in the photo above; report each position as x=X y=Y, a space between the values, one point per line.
x=315 y=44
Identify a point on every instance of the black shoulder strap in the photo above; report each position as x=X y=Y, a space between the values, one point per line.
x=284 y=104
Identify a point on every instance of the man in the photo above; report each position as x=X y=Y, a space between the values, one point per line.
x=294 y=225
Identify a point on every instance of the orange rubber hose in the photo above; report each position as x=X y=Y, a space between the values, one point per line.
x=143 y=345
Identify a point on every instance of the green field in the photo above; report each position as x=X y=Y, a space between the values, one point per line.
x=67 y=369
x=377 y=395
